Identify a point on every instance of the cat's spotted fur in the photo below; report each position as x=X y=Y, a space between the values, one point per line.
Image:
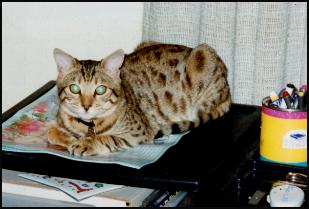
x=157 y=90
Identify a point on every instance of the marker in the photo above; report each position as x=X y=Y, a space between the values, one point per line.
x=273 y=96
x=282 y=103
x=289 y=89
x=275 y=104
x=291 y=85
x=279 y=103
x=288 y=100
x=301 y=100
x=303 y=88
x=274 y=100
x=281 y=92
x=296 y=101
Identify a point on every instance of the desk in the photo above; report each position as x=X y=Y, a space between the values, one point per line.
x=207 y=159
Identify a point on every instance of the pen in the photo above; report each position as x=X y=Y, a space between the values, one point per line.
x=288 y=100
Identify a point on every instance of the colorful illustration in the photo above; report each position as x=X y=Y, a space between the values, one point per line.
x=29 y=127
x=75 y=188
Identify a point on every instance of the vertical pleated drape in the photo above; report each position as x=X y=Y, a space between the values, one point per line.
x=263 y=44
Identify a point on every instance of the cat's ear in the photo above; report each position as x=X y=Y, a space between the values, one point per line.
x=63 y=60
x=113 y=62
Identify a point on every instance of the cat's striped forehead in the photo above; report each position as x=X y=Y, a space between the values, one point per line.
x=88 y=69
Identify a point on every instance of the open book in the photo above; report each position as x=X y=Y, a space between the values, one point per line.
x=26 y=131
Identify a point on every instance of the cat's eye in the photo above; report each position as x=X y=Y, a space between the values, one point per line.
x=100 y=90
x=74 y=89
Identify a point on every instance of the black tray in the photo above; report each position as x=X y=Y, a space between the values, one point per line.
x=207 y=157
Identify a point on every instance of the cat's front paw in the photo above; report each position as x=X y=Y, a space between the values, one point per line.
x=87 y=147
x=57 y=137
x=52 y=136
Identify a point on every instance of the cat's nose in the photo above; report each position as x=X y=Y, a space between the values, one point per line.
x=87 y=108
x=86 y=102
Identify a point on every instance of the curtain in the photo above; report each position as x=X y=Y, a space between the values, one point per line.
x=263 y=44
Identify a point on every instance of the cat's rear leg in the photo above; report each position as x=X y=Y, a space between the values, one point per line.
x=205 y=114
x=200 y=64
x=176 y=127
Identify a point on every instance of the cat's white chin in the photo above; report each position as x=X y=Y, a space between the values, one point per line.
x=90 y=115
x=84 y=116
x=87 y=118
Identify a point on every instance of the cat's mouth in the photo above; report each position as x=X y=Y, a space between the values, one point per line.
x=88 y=123
x=83 y=116
x=87 y=117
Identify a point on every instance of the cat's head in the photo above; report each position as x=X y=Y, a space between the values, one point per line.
x=89 y=89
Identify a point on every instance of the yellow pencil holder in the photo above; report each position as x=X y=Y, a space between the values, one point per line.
x=283 y=135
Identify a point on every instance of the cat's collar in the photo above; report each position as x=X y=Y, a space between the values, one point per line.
x=91 y=127
x=91 y=123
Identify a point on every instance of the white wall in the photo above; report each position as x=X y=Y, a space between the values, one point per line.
x=30 y=32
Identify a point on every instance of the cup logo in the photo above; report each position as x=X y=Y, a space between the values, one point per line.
x=295 y=139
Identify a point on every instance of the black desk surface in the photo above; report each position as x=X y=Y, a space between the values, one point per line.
x=201 y=159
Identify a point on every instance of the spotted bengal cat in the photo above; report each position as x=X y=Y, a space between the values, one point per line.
x=127 y=99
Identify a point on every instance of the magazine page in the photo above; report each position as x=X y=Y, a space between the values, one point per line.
x=26 y=131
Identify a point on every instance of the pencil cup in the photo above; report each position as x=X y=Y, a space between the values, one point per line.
x=283 y=135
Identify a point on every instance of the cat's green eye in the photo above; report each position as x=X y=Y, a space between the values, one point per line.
x=100 y=90
x=74 y=89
